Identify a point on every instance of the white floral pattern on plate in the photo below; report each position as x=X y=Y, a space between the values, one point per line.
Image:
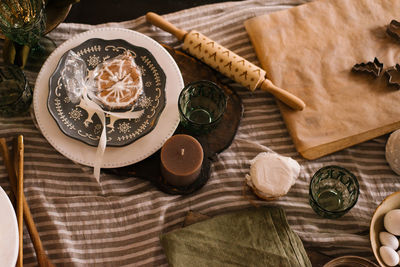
x=93 y=52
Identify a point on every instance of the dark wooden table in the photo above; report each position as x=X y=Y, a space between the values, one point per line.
x=102 y=11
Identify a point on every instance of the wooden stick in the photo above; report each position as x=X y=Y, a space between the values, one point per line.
x=19 y=159
x=37 y=243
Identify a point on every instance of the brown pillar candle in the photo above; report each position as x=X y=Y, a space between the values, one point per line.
x=181 y=160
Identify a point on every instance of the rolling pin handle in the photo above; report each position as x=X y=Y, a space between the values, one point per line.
x=283 y=95
x=160 y=22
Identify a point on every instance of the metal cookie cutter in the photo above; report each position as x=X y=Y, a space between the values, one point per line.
x=392 y=75
x=372 y=67
x=394 y=29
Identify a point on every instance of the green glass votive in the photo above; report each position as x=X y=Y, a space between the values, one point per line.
x=15 y=92
x=201 y=106
x=333 y=191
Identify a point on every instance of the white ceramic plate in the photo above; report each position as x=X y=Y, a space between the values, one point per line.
x=8 y=232
x=114 y=156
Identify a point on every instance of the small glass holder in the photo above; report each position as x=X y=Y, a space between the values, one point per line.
x=333 y=191
x=15 y=92
x=201 y=106
x=24 y=23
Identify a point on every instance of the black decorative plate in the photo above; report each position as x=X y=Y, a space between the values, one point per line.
x=77 y=121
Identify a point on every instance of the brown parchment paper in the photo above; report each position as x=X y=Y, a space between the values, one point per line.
x=309 y=50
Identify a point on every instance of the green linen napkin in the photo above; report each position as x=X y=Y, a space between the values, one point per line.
x=252 y=237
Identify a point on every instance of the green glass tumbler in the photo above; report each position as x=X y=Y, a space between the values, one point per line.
x=201 y=106
x=23 y=21
x=15 y=92
x=333 y=191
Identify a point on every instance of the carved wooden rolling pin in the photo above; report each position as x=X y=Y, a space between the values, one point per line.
x=225 y=61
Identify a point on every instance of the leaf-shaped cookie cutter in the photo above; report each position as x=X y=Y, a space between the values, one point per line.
x=373 y=67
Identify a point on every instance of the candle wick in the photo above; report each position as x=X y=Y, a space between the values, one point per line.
x=182 y=151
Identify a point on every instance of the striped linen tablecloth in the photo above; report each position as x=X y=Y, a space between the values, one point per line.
x=118 y=221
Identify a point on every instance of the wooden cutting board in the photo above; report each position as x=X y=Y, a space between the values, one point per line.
x=310 y=51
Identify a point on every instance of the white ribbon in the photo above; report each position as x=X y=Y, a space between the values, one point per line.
x=74 y=75
x=101 y=147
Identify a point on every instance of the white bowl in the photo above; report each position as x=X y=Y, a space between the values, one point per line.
x=389 y=203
